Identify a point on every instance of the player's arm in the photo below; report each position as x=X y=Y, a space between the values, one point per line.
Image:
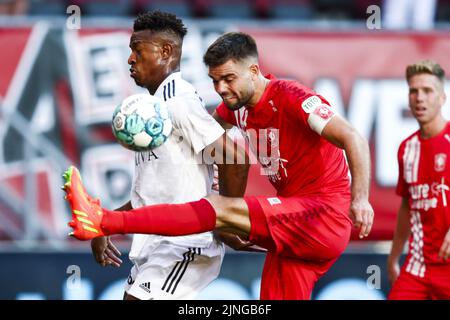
x=232 y=161
x=401 y=235
x=339 y=132
x=232 y=183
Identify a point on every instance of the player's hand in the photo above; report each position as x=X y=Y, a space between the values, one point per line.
x=444 y=251
x=105 y=252
x=362 y=215
x=237 y=243
x=393 y=269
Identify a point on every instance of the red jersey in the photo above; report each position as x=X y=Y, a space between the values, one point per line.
x=424 y=176
x=283 y=130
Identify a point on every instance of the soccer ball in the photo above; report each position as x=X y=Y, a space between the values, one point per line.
x=141 y=122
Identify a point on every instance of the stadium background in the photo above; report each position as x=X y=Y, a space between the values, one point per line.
x=59 y=86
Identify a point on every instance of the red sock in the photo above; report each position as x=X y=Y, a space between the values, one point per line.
x=162 y=219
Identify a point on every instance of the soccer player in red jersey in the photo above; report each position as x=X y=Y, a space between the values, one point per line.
x=298 y=139
x=424 y=175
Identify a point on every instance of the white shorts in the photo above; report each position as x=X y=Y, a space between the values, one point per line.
x=175 y=272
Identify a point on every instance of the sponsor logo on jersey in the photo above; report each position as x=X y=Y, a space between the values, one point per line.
x=310 y=104
x=424 y=204
x=426 y=196
x=439 y=162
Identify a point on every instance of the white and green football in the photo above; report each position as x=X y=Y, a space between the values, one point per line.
x=141 y=122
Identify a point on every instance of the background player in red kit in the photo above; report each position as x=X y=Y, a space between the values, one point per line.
x=424 y=175
x=298 y=139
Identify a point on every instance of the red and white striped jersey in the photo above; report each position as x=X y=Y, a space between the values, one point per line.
x=424 y=178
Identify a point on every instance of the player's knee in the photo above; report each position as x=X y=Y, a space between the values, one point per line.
x=223 y=206
x=231 y=213
x=219 y=207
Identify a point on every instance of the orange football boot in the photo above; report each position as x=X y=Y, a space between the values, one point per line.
x=87 y=213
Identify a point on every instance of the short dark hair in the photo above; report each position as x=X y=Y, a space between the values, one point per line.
x=425 y=66
x=233 y=45
x=160 y=21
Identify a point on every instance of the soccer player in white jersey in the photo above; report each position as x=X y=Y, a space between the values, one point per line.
x=171 y=267
x=423 y=184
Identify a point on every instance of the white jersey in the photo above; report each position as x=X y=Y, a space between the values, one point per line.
x=172 y=173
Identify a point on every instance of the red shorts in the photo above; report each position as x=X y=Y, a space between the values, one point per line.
x=435 y=285
x=304 y=237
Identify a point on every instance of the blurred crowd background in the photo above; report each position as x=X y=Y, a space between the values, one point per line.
x=397 y=13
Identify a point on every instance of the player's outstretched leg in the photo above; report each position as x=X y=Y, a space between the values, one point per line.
x=86 y=212
x=90 y=220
